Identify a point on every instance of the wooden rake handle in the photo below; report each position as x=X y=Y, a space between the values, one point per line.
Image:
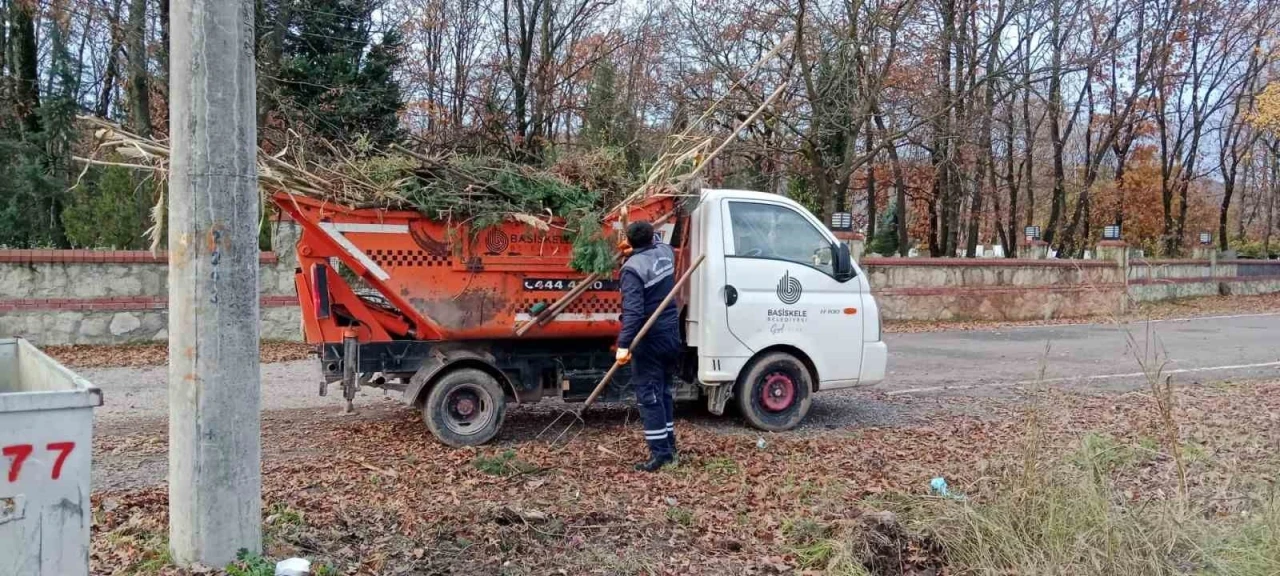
x=653 y=318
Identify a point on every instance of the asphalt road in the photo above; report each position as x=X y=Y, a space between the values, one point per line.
x=1090 y=356
x=1087 y=356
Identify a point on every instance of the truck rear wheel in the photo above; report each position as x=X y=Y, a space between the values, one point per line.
x=465 y=408
x=775 y=394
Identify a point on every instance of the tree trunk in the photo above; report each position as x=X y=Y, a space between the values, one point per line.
x=900 y=189
x=1228 y=188
x=956 y=194
x=1244 y=191
x=941 y=243
x=935 y=247
x=102 y=107
x=138 y=89
x=987 y=165
x=89 y=21
x=1011 y=237
x=162 y=54
x=871 y=190
x=1059 y=199
x=1028 y=135
x=1166 y=177
x=25 y=65
x=1056 y=131
x=825 y=192
x=1271 y=201
x=4 y=45
x=272 y=47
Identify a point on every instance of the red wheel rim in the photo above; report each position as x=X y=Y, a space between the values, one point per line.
x=778 y=392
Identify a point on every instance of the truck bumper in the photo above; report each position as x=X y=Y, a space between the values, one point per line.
x=875 y=358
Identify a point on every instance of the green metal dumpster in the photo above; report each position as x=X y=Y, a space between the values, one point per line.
x=46 y=435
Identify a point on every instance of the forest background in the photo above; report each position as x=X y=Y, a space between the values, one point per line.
x=942 y=125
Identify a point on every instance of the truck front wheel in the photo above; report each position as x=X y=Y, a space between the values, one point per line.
x=465 y=408
x=775 y=394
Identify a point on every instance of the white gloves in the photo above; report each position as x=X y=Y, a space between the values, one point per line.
x=623 y=356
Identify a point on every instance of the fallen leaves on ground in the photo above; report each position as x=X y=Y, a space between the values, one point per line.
x=379 y=496
x=157 y=354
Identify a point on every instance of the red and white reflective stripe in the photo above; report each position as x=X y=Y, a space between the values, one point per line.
x=335 y=232
x=573 y=317
x=358 y=228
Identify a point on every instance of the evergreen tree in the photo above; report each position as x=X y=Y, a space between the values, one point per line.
x=885 y=241
x=335 y=79
x=104 y=211
x=35 y=156
x=603 y=123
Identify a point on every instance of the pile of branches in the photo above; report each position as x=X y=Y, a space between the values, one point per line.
x=571 y=194
x=474 y=191
x=478 y=192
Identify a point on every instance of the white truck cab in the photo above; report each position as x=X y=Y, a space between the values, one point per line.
x=778 y=310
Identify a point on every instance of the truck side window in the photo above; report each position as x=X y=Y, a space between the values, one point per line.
x=779 y=233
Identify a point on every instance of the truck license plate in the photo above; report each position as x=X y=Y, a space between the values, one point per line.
x=566 y=284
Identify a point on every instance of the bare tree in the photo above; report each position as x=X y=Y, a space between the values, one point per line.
x=1237 y=136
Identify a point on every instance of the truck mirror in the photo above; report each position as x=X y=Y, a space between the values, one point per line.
x=841 y=262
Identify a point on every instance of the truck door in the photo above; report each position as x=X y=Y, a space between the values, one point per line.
x=781 y=288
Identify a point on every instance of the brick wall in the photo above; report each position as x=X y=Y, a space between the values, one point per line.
x=999 y=289
x=993 y=289
x=117 y=296
x=1171 y=279
x=98 y=297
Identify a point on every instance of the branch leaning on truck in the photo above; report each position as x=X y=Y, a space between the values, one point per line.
x=396 y=300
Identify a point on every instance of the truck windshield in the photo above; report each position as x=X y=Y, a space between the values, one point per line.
x=778 y=232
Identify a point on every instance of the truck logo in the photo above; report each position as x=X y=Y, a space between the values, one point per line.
x=418 y=230
x=789 y=289
x=496 y=241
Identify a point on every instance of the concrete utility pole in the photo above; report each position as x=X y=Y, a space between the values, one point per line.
x=215 y=444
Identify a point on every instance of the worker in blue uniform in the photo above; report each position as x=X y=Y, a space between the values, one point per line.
x=647 y=277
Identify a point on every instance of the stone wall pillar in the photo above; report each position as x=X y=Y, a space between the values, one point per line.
x=1118 y=251
x=1115 y=250
x=1034 y=249
x=284 y=241
x=1204 y=252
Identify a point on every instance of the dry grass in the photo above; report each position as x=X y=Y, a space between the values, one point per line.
x=1070 y=519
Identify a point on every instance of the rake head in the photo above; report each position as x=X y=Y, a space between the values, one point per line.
x=563 y=438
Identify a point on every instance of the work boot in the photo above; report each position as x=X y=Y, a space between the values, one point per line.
x=654 y=464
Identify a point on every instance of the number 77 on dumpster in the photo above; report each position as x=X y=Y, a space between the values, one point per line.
x=17 y=455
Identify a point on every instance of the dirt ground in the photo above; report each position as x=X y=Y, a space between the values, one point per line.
x=374 y=494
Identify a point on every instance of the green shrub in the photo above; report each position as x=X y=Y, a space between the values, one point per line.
x=504 y=464
x=250 y=564
x=105 y=211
